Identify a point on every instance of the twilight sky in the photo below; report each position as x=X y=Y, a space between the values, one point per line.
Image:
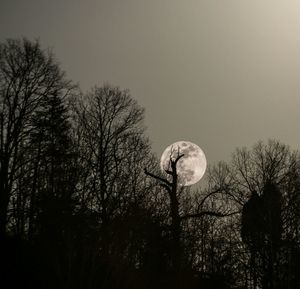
x=220 y=73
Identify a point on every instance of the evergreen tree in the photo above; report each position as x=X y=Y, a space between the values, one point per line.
x=55 y=160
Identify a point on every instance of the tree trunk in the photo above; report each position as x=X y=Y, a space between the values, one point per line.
x=4 y=197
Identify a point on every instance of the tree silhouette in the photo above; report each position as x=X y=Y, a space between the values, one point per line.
x=170 y=185
x=265 y=173
x=27 y=75
x=113 y=149
x=172 y=189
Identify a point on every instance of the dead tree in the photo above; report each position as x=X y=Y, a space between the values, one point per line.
x=171 y=187
x=170 y=184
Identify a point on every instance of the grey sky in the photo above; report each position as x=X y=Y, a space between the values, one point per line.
x=220 y=73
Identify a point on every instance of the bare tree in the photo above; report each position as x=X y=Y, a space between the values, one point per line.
x=113 y=149
x=172 y=189
x=27 y=75
x=269 y=219
x=177 y=214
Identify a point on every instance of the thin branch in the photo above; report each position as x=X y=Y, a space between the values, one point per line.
x=157 y=177
x=178 y=158
x=208 y=213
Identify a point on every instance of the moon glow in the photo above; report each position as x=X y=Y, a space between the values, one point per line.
x=191 y=167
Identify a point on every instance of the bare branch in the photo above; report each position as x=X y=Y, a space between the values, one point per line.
x=208 y=213
x=157 y=177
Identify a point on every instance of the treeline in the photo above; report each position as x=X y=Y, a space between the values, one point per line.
x=84 y=205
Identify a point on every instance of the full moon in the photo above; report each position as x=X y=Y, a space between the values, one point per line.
x=191 y=167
